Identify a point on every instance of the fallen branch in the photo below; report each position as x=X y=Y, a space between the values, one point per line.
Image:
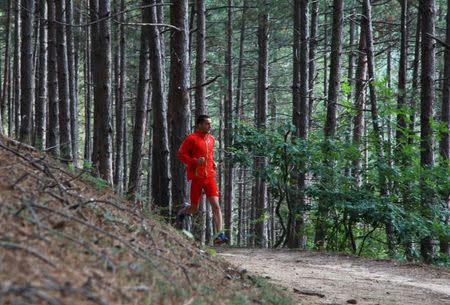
x=13 y=246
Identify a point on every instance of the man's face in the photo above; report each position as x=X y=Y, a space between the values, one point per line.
x=205 y=126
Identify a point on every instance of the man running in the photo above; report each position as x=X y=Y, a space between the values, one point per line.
x=197 y=152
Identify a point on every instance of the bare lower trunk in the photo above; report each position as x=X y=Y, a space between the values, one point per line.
x=26 y=71
x=53 y=110
x=41 y=101
x=140 y=120
x=178 y=100
x=63 y=84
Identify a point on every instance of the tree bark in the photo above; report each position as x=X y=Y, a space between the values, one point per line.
x=101 y=77
x=239 y=88
x=228 y=130
x=179 y=112
x=427 y=99
x=120 y=123
x=140 y=120
x=26 y=71
x=444 y=146
x=330 y=123
x=200 y=92
x=160 y=145
x=312 y=54
x=53 y=109
x=360 y=97
x=63 y=84
x=17 y=67
x=6 y=71
x=72 y=79
x=296 y=222
x=261 y=123
x=41 y=101
x=87 y=96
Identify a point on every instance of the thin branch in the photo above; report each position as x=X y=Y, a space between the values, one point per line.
x=13 y=246
x=205 y=84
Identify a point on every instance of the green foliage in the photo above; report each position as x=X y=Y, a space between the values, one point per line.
x=360 y=208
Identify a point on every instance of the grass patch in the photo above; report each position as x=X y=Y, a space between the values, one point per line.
x=269 y=293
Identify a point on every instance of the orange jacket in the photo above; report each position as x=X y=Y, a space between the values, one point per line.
x=198 y=145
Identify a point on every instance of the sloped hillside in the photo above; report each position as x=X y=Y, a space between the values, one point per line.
x=66 y=240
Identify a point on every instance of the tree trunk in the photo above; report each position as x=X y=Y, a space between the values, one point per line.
x=261 y=122
x=53 y=109
x=87 y=96
x=140 y=120
x=101 y=77
x=160 y=145
x=200 y=91
x=17 y=67
x=330 y=123
x=444 y=146
x=120 y=123
x=360 y=97
x=228 y=130
x=63 y=84
x=26 y=71
x=427 y=98
x=6 y=71
x=179 y=112
x=402 y=74
x=41 y=101
x=239 y=88
x=296 y=222
x=73 y=72
x=312 y=54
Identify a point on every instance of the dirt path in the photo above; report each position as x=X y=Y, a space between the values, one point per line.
x=338 y=279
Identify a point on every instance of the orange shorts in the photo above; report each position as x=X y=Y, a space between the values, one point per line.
x=209 y=185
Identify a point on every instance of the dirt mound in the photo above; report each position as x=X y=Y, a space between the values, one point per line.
x=66 y=240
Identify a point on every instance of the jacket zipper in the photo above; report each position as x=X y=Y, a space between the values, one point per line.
x=206 y=158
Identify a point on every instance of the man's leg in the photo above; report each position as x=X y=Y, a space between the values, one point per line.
x=217 y=213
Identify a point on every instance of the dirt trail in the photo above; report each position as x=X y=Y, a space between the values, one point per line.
x=339 y=279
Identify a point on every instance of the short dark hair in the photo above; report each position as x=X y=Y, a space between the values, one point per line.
x=201 y=118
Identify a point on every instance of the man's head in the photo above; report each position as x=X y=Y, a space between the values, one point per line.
x=203 y=123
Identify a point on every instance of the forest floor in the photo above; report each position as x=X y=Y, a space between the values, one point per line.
x=66 y=238
x=315 y=278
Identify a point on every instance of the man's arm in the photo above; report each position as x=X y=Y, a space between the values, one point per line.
x=183 y=153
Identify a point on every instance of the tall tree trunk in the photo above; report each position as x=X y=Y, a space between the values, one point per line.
x=312 y=54
x=160 y=145
x=402 y=74
x=228 y=130
x=101 y=77
x=444 y=146
x=296 y=223
x=200 y=91
x=330 y=124
x=261 y=122
x=179 y=113
x=26 y=71
x=120 y=123
x=63 y=84
x=239 y=87
x=360 y=97
x=377 y=130
x=402 y=126
x=87 y=96
x=427 y=98
x=53 y=110
x=17 y=67
x=41 y=101
x=140 y=120
x=6 y=71
x=72 y=77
